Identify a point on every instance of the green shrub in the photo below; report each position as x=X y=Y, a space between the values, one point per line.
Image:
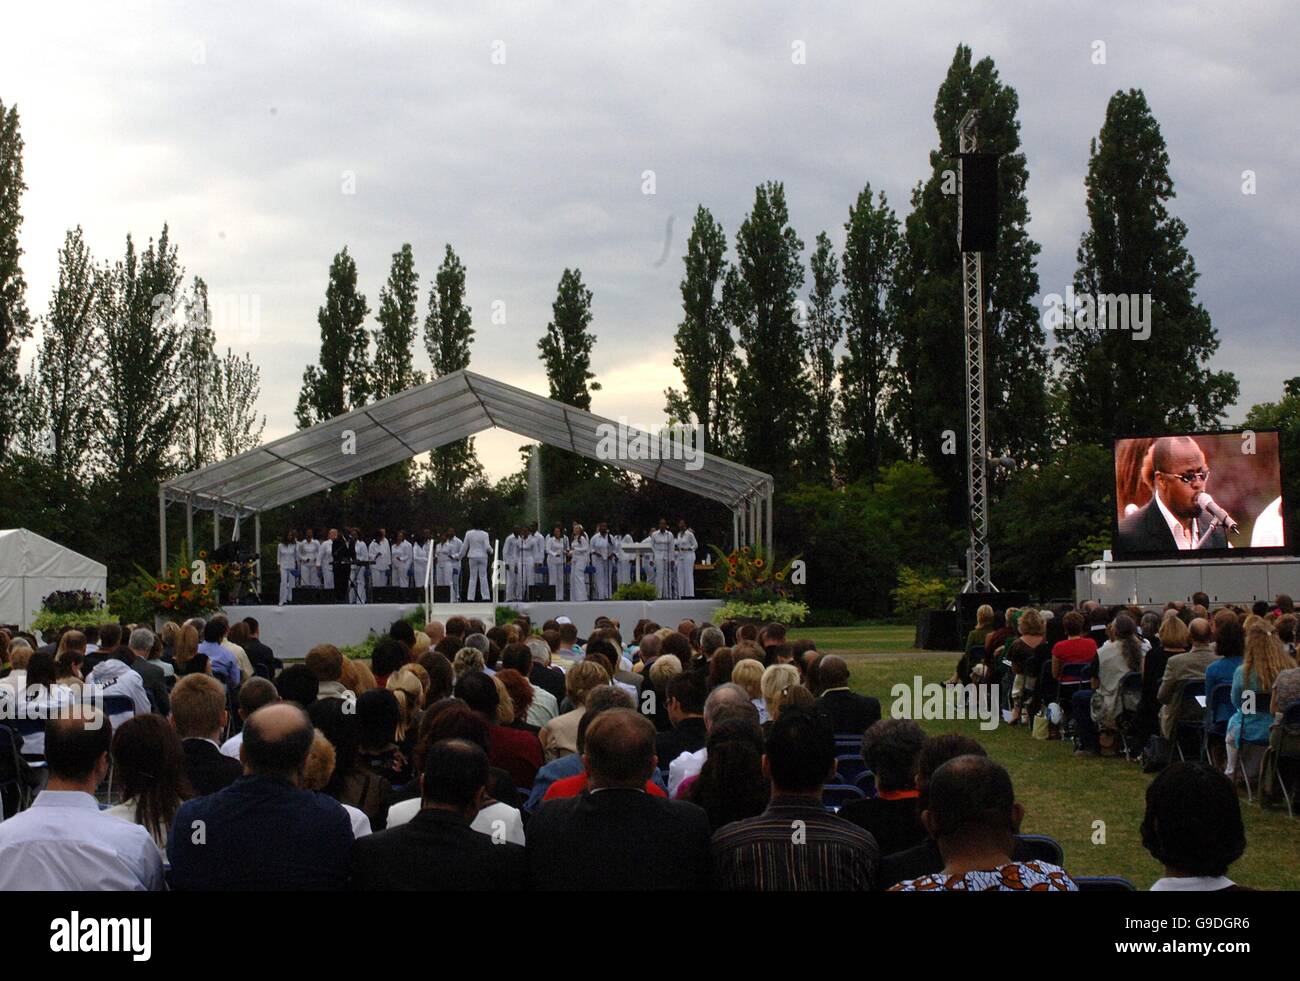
x=917 y=592
x=47 y=622
x=636 y=591
x=788 y=612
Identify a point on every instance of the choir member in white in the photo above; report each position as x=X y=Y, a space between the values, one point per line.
x=420 y=558
x=308 y=554
x=360 y=573
x=286 y=557
x=663 y=544
x=478 y=549
x=447 y=555
x=403 y=558
x=580 y=563
x=557 y=546
x=512 y=551
x=381 y=554
x=602 y=560
x=687 y=547
x=626 y=559
x=325 y=561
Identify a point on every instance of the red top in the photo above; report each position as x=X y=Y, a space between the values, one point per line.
x=576 y=784
x=516 y=751
x=1075 y=650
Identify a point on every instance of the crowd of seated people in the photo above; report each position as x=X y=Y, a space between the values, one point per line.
x=463 y=756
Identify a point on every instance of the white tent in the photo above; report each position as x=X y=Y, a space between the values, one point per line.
x=32 y=567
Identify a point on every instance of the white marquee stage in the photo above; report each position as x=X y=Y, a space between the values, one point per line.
x=291 y=631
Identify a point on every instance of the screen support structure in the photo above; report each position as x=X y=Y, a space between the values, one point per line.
x=978 y=572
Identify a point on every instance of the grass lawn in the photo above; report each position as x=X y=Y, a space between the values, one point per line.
x=1063 y=796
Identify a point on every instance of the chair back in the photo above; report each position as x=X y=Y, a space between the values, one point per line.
x=848 y=766
x=1040 y=848
x=1103 y=883
x=836 y=795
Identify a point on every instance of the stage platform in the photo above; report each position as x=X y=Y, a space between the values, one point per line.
x=291 y=631
x=1158 y=581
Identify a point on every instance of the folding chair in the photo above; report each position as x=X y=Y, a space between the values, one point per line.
x=118 y=708
x=1130 y=701
x=848 y=766
x=847 y=742
x=1074 y=677
x=1284 y=747
x=1186 y=694
x=12 y=785
x=836 y=795
x=1220 y=699
x=866 y=782
x=1262 y=701
x=1103 y=883
x=1040 y=848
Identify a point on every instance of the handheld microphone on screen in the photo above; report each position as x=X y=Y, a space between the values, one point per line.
x=1207 y=504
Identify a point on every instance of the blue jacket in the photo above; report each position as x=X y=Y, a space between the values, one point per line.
x=260 y=833
x=1220 y=672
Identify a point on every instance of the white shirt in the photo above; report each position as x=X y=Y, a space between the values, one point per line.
x=543 y=707
x=1182 y=538
x=512 y=825
x=65 y=842
x=1268 y=531
x=381 y=553
x=477 y=544
x=403 y=553
x=684 y=767
x=360 y=823
x=1192 y=883
x=231 y=746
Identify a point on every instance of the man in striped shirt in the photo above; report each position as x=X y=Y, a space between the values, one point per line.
x=796 y=844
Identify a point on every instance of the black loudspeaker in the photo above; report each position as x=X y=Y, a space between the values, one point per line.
x=311 y=595
x=936 y=630
x=388 y=594
x=442 y=594
x=968 y=603
x=541 y=593
x=977 y=228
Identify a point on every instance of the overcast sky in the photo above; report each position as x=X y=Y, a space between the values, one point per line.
x=520 y=133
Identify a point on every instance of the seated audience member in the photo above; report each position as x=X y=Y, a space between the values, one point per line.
x=974 y=649
x=110 y=639
x=560 y=735
x=1075 y=649
x=662 y=670
x=890 y=748
x=253 y=695
x=149 y=765
x=1027 y=654
x=408 y=685
x=748 y=673
x=378 y=717
x=541 y=674
x=570 y=764
x=325 y=662
x=468 y=660
x=317 y=774
x=435 y=631
x=297 y=684
x=1097 y=712
x=972 y=814
x=141 y=646
x=185 y=649
x=392 y=652
x=264 y=831
x=64 y=842
x=516 y=751
x=543 y=706
x=1184 y=667
x=573 y=784
x=721 y=664
x=225 y=666
x=686 y=694
x=442 y=677
x=776 y=683
x=830 y=854
x=1229 y=649
x=1285 y=626
x=1193 y=828
x=616 y=836
x=265 y=663
x=728 y=701
x=1174 y=639
x=516 y=695
x=113 y=676
x=437 y=849
x=845 y=710
x=352 y=783
x=1263 y=662
x=731 y=785
x=199 y=715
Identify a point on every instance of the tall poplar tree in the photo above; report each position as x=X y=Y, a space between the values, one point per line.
x=15 y=326
x=448 y=331
x=394 y=368
x=822 y=331
x=341 y=381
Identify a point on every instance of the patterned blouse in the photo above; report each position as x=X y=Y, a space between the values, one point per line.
x=1016 y=877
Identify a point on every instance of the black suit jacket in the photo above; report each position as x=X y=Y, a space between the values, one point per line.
x=155 y=684
x=848 y=712
x=548 y=679
x=618 y=839
x=436 y=850
x=263 y=658
x=1145 y=530
x=686 y=737
x=208 y=768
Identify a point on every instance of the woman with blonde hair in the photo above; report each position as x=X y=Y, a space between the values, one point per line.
x=318 y=772
x=1264 y=660
x=405 y=684
x=505 y=704
x=1027 y=655
x=559 y=736
x=185 y=646
x=777 y=678
x=748 y=673
x=467 y=659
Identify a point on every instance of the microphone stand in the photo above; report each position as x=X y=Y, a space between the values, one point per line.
x=1214 y=523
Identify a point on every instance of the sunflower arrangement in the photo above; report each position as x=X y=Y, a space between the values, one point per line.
x=177 y=595
x=749 y=574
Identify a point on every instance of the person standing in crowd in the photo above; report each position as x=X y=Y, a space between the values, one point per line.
x=602 y=557
x=626 y=560
x=555 y=549
x=286 y=557
x=381 y=554
x=685 y=548
x=308 y=550
x=478 y=549
x=360 y=573
x=580 y=561
x=663 y=544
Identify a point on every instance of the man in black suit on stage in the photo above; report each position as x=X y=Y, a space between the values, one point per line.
x=342 y=550
x=1172 y=520
x=615 y=835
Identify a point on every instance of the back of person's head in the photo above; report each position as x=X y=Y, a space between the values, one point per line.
x=455 y=772
x=518 y=657
x=277 y=739
x=42 y=670
x=448 y=646
x=1230 y=641
x=1073 y=622
x=379 y=715
x=601 y=700
x=582 y=678
x=442 y=677
x=676 y=645
x=649 y=646
x=477 y=690
x=800 y=752
x=552 y=638
x=728 y=700
x=402 y=632
x=970 y=799
x=255 y=693
x=237 y=633
x=390 y=654
x=1174 y=634
x=748 y=673
x=456 y=627
x=688 y=690
x=198 y=706
x=890 y=748
x=778 y=654
x=602 y=646
x=568 y=634
x=833 y=672
x=141 y=642
x=665 y=667
x=297 y=683
x=774 y=634
x=1200 y=631
x=149 y=762
x=747 y=631
x=1030 y=623
x=325 y=661
x=938 y=750
x=1286 y=628
x=215 y=631
x=1192 y=824
x=321 y=761
x=619 y=748
x=711 y=638
x=776 y=681
x=110 y=635
x=75 y=746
